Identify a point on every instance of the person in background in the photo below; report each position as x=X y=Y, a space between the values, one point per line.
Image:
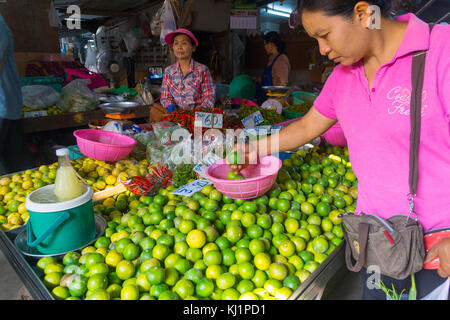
x=14 y=154
x=186 y=84
x=277 y=70
x=276 y=73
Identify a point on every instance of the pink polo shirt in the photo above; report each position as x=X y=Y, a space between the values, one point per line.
x=376 y=123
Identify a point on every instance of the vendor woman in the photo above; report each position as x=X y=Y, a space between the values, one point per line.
x=186 y=84
x=276 y=73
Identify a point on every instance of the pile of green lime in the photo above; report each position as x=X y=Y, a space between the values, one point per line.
x=209 y=246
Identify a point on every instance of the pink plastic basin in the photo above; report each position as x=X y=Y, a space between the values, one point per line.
x=259 y=178
x=335 y=136
x=239 y=100
x=104 y=145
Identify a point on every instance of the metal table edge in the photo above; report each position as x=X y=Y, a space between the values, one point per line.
x=333 y=258
x=23 y=269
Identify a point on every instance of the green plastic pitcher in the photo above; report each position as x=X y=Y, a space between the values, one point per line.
x=59 y=227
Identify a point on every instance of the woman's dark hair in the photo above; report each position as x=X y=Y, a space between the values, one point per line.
x=345 y=8
x=275 y=38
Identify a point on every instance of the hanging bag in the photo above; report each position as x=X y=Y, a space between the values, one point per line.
x=395 y=245
x=168 y=23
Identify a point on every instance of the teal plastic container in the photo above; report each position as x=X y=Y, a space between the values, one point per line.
x=242 y=87
x=298 y=97
x=54 y=82
x=54 y=228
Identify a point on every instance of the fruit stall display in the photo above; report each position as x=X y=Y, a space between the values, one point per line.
x=99 y=175
x=50 y=111
x=206 y=246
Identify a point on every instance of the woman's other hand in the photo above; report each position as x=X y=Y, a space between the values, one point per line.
x=441 y=250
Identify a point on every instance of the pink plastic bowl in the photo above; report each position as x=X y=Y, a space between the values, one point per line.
x=335 y=136
x=104 y=145
x=239 y=100
x=263 y=176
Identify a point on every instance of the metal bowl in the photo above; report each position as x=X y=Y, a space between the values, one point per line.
x=276 y=89
x=119 y=107
x=21 y=241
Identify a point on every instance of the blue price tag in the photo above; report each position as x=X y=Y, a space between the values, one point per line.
x=200 y=119
x=200 y=169
x=258 y=118
x=218 y=121
x=207 y=120
x=191 y=188
x=211 y=158
x=248 y=122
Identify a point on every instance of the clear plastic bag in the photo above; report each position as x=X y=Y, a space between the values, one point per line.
x=91 y=58
x=131 y=41
x=39 y=97
x=166 y=148
x=163 y=131
x=156 y=24
x=168 y=23
x=143 y=139
x=77 y=97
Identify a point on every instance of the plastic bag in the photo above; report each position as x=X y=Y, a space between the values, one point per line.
x=146 y=95
x=157 y=153
x=39 y=97
x=91 y=58
x=155 y=24
x=164 y=149
x=53 y=17
x=131 y=41
x=143 y=139
x=168 y=23
x=77 y=97
x=163 y=131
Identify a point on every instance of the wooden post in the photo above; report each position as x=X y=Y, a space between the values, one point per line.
x=185 y=13
x=176 y=10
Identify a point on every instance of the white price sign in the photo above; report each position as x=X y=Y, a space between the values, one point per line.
x=253 y=120
x=35 y=114
x=208 y=120
x=191 y=188
x=211 y=158
x=201 y=169
x=218 y=120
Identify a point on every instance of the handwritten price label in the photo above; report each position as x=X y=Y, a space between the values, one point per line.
x=258 y=118
x=201 y=169
x=211 y=158
x=208 y=120
x=218 y=120
x=253 y=120
x=35 y=114
x=191 y=188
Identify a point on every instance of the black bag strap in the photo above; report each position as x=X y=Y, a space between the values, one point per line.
x=417 y=79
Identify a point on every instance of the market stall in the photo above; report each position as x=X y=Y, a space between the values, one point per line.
x=260 y=248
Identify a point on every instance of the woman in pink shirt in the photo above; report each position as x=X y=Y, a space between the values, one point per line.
x=369 y=93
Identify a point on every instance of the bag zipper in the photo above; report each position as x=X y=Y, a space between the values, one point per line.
x=386 y=225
